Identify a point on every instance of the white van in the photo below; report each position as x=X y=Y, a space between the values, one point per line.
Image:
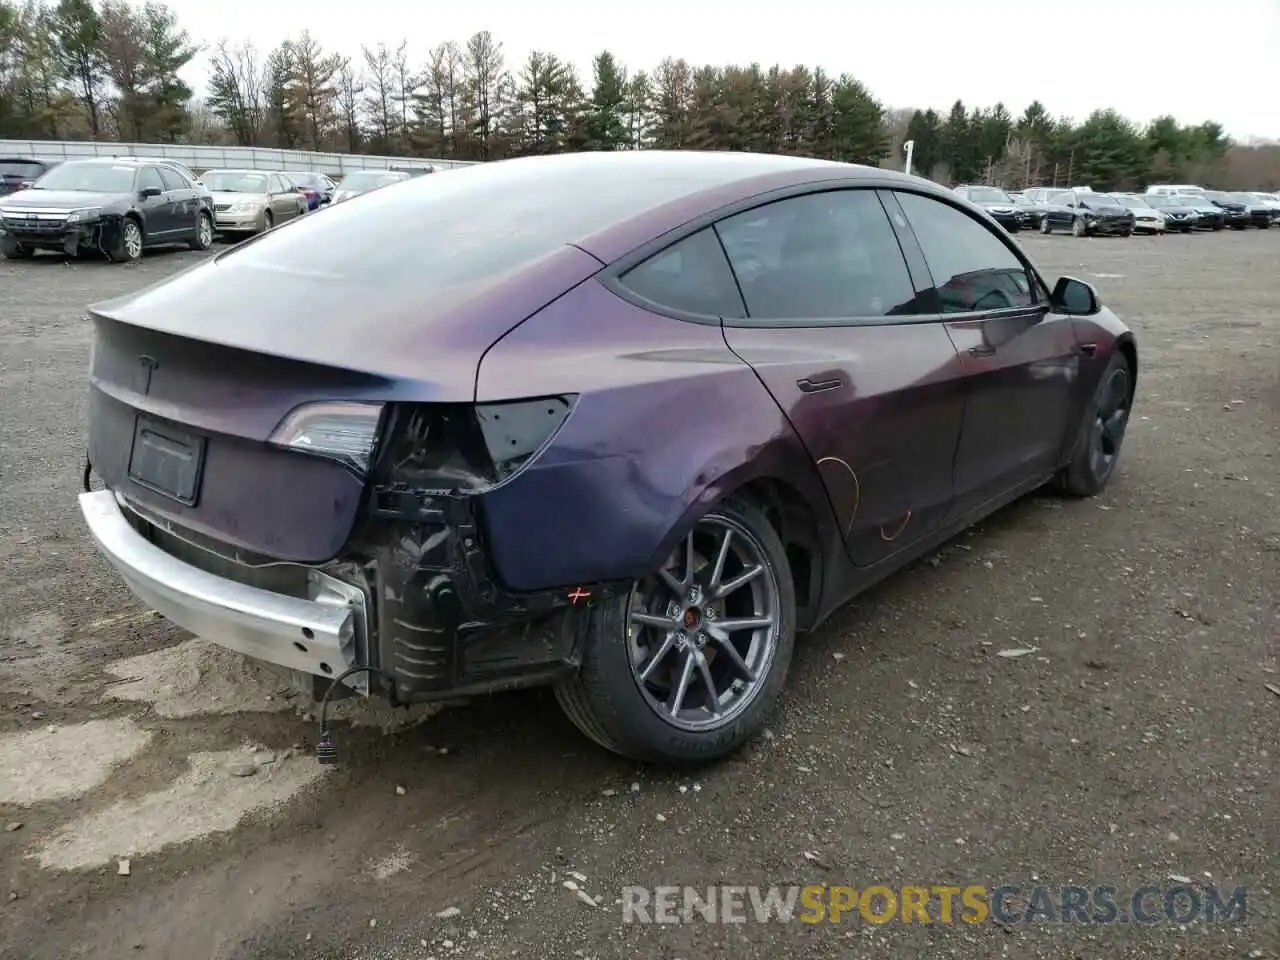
x=1177 y=190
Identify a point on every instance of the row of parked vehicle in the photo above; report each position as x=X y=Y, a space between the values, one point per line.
x=1166 y=208
x=120 y=206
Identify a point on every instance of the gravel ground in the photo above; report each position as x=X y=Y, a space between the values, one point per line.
x=1137 y=743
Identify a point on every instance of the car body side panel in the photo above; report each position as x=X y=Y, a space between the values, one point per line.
x=667 y=420
x=884 y=435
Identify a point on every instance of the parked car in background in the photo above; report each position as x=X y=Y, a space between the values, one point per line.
x=1041 y=194
x=1258 y=213
x=1029 y=212
x=246 y=202
x=499 y=450
x=995 y=202
x=1237 y=214
x=117 y=206
x=18 y=173
x=1212 y=216
x=1177 y=190
x=1146 y=218
x=316 y=187
x=1271 y=202
x=363 y=181
x=414 y=171
x=1087 y=214
x=1177 y=214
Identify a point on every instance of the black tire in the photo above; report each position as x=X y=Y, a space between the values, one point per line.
x=1126 y=233
x=13 y=250
x=268 y=221
x=1078 y=229
x=1086 y=473
x=1046 y=227
x=203 y=238
x=604 y=700
x=129 y=242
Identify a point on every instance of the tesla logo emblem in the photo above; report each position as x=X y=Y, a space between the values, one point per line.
x=148 y=365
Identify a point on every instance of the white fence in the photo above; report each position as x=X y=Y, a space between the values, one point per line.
x=207 y=158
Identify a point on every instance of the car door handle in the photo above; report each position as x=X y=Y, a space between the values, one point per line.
x=1089 y=349
x=982 y=351
x=817 y=386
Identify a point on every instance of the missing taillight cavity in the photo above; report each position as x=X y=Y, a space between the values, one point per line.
x=466 y=448
x=514 y=432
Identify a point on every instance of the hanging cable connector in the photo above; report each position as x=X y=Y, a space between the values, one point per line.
x=326 y=751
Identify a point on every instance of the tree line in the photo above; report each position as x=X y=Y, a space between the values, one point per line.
x=110 y=70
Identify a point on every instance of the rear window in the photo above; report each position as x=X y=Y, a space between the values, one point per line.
x=468 y=226
x=371 y=181
x=20 y=169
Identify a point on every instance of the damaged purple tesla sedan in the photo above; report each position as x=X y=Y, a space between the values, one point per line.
x=620 y=423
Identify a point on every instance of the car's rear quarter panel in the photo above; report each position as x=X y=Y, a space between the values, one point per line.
x=667 y=421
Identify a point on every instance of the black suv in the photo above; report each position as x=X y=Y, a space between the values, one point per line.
x=116 y=206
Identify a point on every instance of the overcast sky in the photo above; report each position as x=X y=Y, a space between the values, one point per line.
x=1194 y=59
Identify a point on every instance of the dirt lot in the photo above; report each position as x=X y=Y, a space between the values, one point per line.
x=1139 y=742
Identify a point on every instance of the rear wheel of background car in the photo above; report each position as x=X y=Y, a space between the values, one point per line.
x=13 y=250
x=687 y=666
x=1077 y=227
x=1101 y=433
x=1045 y=226
x=203 y=239
x=128 y=243
x=1126 y=233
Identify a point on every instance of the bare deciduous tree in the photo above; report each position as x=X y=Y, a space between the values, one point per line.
x=237 y=91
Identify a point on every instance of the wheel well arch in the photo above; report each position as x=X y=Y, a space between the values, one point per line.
x=794 y=519
x=1129 y=349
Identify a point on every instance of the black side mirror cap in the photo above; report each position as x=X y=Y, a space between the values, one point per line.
x=146 y=193
x=1074 y=298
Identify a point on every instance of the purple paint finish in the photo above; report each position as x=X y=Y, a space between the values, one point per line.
x=668 y=419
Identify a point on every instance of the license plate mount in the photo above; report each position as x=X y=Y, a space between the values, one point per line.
x=167 y=460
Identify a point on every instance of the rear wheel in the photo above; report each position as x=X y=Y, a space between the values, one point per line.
x=688 y=665
x=128 y=243
x=1077 y=227
x=1045 y=227
x=1101 y=434
x=13 y=250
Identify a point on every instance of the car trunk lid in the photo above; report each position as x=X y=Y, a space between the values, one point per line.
x=210 y=410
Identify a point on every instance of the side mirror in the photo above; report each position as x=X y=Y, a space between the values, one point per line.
x=146 y=193
x=1074 y=298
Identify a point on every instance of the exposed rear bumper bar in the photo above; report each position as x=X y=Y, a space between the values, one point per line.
x=319 y=636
